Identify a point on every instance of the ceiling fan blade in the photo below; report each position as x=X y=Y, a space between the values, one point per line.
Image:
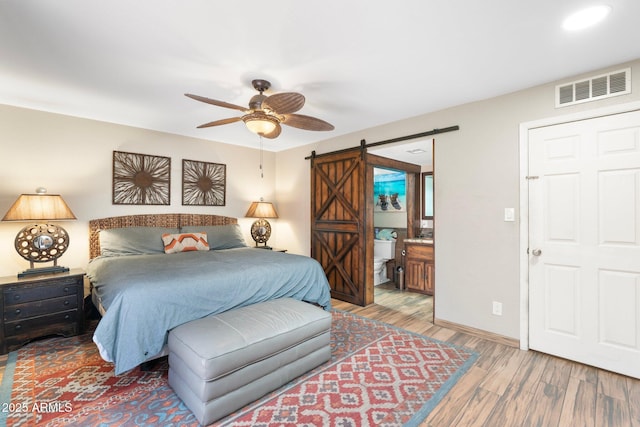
x=284 y=103
x=220 y=122
x=301 y=121
x=274 y=133
x=215 y=102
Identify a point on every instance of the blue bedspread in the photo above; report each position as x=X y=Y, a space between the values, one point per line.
x=147 y=295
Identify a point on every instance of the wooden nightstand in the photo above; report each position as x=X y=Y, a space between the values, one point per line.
x=37 y=306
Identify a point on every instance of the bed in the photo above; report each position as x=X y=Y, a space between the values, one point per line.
x=143 y=292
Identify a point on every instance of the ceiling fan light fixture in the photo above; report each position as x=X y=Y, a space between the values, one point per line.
x=266 y=114
x=260 y=123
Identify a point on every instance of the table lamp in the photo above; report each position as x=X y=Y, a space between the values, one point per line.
x=40 y=242
x=261 y=229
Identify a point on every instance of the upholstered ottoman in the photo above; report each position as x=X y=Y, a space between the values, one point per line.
x=222 y=362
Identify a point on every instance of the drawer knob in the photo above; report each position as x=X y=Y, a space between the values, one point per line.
x=18 y=311
x=66 y=302
x=16 y=297
x=66 y=289
x=18 y=327
x=67 y=317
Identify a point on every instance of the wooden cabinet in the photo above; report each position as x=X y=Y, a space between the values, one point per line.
x=37 y=306
x=419 y=267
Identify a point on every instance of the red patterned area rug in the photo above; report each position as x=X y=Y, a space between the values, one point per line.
x=378 y=375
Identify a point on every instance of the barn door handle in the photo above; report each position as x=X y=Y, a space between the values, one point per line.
x=536 y=252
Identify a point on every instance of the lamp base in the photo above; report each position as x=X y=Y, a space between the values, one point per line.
x=264 y=247
x=261 y=231
x=42 y=243
x=43 y=270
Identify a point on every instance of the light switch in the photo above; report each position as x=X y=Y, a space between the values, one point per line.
x=509 y=214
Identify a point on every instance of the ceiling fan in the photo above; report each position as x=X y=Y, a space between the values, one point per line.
x=266 y=113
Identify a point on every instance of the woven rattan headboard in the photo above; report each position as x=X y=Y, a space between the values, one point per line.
x=172 y=220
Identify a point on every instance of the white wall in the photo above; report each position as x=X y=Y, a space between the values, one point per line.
x=294 y=200
x=73 y=157
x=390 y=219
x=477 y=176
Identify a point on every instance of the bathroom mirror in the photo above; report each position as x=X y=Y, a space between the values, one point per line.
x=427 y=195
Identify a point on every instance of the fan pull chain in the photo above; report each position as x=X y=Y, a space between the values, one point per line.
x=261 y=168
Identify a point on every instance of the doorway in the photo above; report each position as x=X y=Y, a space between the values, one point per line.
x=418 y=153
x=342 y=208
x=583 y=250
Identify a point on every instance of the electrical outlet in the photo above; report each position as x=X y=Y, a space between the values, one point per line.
x=497 y=308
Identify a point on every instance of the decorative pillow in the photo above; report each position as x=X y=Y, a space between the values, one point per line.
x=185 y=242
x=133 y=240
x=220 y=236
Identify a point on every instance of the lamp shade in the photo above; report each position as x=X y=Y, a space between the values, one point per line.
x=37 y=207
x=261 y=210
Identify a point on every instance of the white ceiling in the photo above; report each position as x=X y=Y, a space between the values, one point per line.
x=359 y=63
x=416 y=151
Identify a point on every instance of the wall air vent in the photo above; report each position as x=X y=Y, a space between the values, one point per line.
x=594 y=88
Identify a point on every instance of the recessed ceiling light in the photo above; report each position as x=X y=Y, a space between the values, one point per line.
x=416 y=151
x=586 y=18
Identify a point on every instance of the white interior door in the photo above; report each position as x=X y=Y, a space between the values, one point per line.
x=584 y=241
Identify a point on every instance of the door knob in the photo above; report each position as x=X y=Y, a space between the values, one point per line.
x=536 y=252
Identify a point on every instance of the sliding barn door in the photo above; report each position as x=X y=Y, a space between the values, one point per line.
x=338 y=223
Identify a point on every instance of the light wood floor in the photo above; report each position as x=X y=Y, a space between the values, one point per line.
x=507 y=386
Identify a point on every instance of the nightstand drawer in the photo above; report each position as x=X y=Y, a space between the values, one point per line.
x=39 y=308
x=65 y=321
x=23 y=295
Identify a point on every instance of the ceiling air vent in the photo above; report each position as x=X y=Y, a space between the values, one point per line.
x=594 y=88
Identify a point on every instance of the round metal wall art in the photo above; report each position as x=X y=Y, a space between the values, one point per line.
x=42 y=242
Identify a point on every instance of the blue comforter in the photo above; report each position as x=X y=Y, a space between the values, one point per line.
x=145 y=296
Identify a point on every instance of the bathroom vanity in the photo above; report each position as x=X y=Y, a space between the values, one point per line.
x=419 y=265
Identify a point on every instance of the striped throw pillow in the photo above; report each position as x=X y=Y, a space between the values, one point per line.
x=174 y=243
